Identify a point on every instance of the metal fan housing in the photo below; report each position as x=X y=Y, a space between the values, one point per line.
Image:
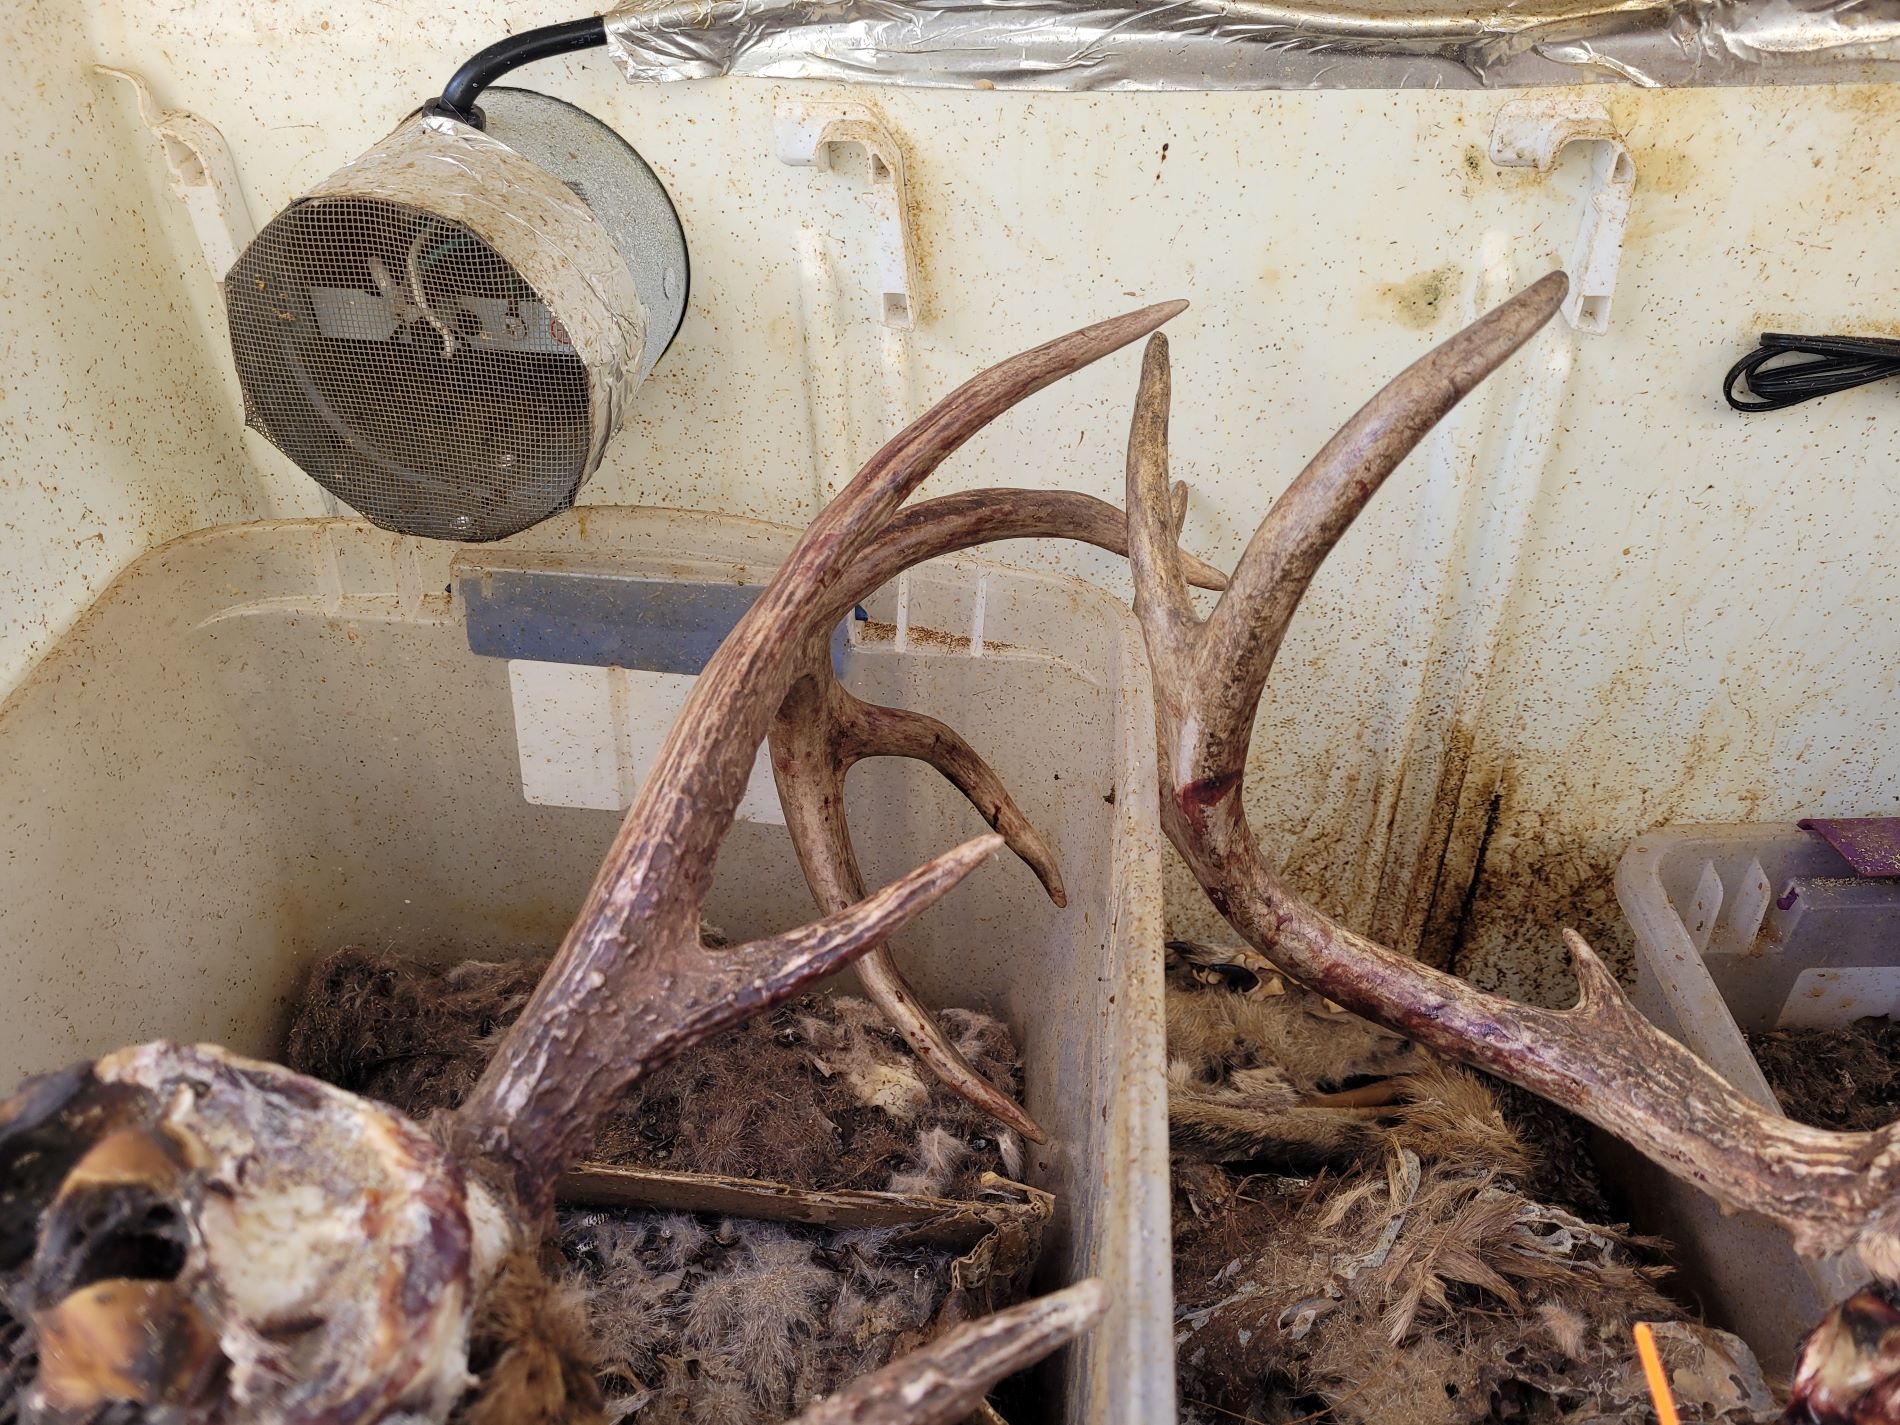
x=446 y=333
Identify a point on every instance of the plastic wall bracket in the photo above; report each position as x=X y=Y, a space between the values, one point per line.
x=1533 y=133
x=203 y=176
x=804 y=135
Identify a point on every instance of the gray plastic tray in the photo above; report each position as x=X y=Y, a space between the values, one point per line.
x=1741 y=929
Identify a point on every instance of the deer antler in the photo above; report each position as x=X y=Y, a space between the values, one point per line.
x=593 y=1024
x=945 y=1381
x=821 y=731
x=185 y=1235
x=1600 y=1059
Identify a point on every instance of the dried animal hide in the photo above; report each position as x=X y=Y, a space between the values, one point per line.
x=672 y=1319
x=1229 y=1009
x=1248 y=1053
x=1396 y=1273
x=1257 y=1115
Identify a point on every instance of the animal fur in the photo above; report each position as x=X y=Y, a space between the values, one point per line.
x=1410 y=1293
x=1229 y=1009
x=1254 y=1115
x=818 y=1093
x=1388 y=1266
x=669 y=1319
x=1248 y=1049
x=704 y=1324
x=531 y=1351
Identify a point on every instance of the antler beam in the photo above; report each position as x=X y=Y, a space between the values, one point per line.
x=820 y=732
x=591 y=1027
x=1601 y=1058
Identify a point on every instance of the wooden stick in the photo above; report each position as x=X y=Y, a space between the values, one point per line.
x=934 y=1221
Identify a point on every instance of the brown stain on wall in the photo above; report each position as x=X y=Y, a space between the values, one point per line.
x=1419 y=300
x=1540 y=877
x=1422 y=912
x=1661 y=170
x=1869 y=101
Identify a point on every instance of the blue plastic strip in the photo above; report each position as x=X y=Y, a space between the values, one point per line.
x=605 y=620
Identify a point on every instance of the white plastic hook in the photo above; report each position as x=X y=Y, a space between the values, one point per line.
x=202 y=175
x=805 y=134
x=1531 y=133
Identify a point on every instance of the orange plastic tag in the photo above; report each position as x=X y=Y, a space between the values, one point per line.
x=1654 y=1373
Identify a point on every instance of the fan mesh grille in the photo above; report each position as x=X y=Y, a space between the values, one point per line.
x=408 y=368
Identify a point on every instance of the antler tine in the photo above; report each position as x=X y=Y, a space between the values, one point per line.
x=944 y=526
x=1244 y=632
x=946 y=1380
x=1601 y=1058
x=821 y=731
x=870 y=730
x=931 y=529
x=1161 y=590
x=738 y=981
x=863 y=506
x=592 y=1025
x=809 y=763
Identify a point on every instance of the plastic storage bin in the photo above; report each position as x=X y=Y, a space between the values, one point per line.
x=267 y=741
x=1741 y=929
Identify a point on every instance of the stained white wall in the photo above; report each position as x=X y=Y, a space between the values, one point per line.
x=109 y=438
x=1575 y=615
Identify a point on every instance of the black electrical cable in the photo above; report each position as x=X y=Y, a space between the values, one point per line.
x=1839 y=363
x=458 y=98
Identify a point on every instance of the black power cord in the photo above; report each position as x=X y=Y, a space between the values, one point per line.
x=458 y=98
x=1838 y=363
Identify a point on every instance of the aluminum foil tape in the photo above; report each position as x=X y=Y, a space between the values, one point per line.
x=1244 y=44
x=535 y=223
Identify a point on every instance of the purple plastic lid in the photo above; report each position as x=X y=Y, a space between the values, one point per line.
x=1871 y=844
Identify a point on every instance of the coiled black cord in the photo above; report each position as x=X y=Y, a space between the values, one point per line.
x=1838 y=363
x=458 y=98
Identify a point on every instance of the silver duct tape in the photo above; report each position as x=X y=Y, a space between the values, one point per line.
x=538 y=226
x=1239 y=44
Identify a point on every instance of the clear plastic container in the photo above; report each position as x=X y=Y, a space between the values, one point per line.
x=267 y=741
x=1741 y=929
